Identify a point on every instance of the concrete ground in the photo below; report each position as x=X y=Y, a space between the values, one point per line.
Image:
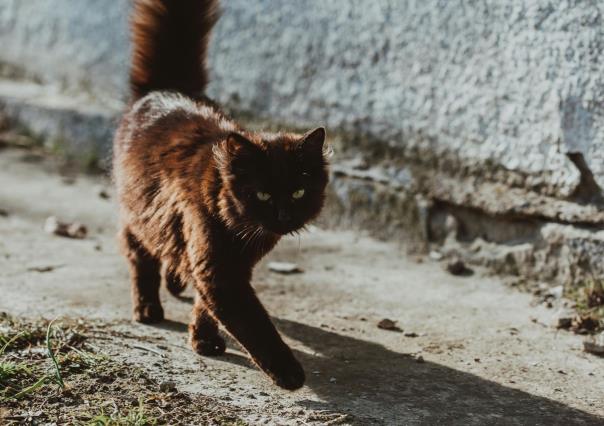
x=489 y=355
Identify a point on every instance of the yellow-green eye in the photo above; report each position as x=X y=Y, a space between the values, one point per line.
x=263 y=196
x=298 y=194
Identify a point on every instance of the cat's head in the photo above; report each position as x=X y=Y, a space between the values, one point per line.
x=276 y=181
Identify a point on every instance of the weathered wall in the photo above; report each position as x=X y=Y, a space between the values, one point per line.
x=75 y=44
x=518 y=83
x=475 y=103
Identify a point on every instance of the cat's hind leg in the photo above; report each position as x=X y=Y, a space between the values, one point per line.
x=203 y=331
x=145 y=280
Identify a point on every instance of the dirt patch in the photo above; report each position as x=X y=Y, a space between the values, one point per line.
x=56 y=373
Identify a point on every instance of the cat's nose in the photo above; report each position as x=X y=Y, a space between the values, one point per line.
x=283 y=216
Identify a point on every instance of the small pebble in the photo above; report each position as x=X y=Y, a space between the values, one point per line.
x=284 y=268
x=458 y=267
x=564 y=319
x=594 y=344
x=167 y=386
x=388 y=324
x=69 y=230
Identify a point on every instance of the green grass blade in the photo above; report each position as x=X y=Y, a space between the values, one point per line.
x=6 y=345
x=31 y=388
x=51 y=354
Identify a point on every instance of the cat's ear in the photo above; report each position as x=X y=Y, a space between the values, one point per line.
x=237 y=144
x=312 y=142
x=236 y=149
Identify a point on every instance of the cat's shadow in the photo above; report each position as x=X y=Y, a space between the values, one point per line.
x=364 y=377
x=372 y=382
x=171 y=325
x=229 y=356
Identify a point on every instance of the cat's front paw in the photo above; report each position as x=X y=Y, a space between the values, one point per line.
x=148 y=313
x=214 y=346
x=287 y=373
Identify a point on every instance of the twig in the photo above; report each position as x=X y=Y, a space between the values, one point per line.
x=144 y=348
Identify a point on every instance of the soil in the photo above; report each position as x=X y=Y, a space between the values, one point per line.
x=473 y=350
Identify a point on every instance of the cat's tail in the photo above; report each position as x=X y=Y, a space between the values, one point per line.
x=170 y=45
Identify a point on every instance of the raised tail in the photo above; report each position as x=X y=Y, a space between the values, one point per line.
x=170 y=45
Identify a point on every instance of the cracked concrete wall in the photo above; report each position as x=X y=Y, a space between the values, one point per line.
x=515 y=84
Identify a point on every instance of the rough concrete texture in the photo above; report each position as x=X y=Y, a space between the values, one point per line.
x=80 y=45
x=514 y=83
x=489 y=355
x=71 y=126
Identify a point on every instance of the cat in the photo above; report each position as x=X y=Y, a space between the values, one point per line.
x=202 y=199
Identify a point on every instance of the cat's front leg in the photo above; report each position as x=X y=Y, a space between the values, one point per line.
x=203 y=331
x=232 y=301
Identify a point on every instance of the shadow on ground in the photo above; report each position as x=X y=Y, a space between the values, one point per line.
x=377 y=385
x=399 y=387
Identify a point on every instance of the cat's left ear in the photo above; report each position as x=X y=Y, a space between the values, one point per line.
x=312 y=142
x=239 y=145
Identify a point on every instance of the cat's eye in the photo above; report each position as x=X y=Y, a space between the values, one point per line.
x=263 y=196
x=298 y=194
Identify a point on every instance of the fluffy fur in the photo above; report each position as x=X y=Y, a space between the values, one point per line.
x=202 y=200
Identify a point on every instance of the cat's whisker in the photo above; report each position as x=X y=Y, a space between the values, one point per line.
x=261 y=238
x=243 y=229
x=249 y=238
x=243 y=232
x=258 y=236
x=254 y=242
